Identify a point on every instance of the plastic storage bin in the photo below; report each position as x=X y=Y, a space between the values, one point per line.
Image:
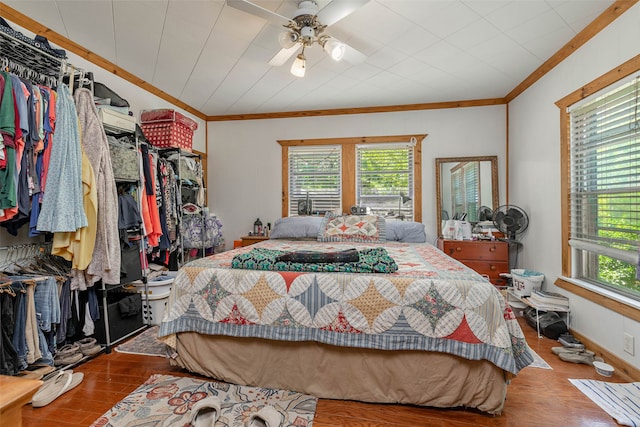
x=524 y=281
x=166 y=128
x=153 y=307
x=120 y=324
x=159 y=285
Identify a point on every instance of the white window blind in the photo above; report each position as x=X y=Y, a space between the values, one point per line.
x=605 y=180
x=315 y=173
x=465 y=189
x=384 y=179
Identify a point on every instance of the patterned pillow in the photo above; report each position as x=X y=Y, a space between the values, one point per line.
x=352 y=228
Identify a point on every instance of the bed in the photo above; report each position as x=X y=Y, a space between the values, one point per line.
x=428 y=331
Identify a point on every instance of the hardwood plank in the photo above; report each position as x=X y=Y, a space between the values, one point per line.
x=536 y=397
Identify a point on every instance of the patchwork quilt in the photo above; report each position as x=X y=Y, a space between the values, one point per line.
x=432 y=302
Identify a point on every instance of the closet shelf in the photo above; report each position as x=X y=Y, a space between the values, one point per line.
x=22 y=51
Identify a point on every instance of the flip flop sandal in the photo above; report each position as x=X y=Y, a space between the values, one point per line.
x=585 y=358
x=206 y=412
x=54 y=387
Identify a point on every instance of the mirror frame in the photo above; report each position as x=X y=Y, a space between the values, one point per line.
x=494 y=182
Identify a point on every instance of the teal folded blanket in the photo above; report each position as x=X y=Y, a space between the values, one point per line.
x=373 y=260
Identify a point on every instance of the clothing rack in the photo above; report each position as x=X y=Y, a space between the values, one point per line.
x=27 y=73
x=37 y=60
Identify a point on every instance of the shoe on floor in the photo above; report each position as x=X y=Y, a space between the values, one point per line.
x=55 y=386
x=206 y=412
x=67 y=354
x=36 y=371
x=267 y=416
x=89 y=346
x=558 y=350
x=582 y=357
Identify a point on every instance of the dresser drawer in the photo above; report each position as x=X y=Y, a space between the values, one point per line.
x=476 y=250
x=489 y=258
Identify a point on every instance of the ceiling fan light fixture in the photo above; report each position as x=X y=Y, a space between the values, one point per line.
x=334 y=48
x=288 y=39
x=299 y=66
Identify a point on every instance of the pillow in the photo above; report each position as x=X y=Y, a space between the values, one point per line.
x=405 y=231
x=352 y=228
x=296 y=227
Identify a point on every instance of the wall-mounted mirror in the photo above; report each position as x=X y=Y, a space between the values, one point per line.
x=464 y=185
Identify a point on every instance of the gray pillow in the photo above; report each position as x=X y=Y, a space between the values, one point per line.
x=405 y=231
x=296 y=227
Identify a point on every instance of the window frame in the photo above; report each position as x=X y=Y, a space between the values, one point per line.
x=313 y=154
x=601 y=296
x=349 y=166
x=394 y=198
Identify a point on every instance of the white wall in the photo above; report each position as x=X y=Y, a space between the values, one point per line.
x=534 y=150
x=138 y=99
x=245 y=167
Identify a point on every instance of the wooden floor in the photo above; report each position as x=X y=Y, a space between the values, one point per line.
x=536 y=397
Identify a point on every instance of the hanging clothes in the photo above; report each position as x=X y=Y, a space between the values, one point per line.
x=62 y=208
x=105 y=261
x=9 y=360
x=150 y=213
x=78 y=246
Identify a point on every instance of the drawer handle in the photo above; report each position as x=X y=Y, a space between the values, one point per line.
x=458 y=249
x=492 y=268
x=492 y=249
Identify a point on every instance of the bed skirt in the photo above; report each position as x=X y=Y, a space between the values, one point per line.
x=325 y=371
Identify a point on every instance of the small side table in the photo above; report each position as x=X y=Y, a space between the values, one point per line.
x=16 y=392
x=562 y=312
x=252 y=240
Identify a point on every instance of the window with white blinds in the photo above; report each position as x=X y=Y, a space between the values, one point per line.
x=465 y=189
x=604 y=194
x=315 y=175
x=384 y=179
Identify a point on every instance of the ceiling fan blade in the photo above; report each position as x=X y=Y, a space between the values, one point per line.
x=338 y=9
x=353 y=56
x=259 y=11
x=284 y=54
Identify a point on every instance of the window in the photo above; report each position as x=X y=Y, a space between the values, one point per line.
x=604 y=188
x=465 y=189
x=384 y=179
x=314 y=175
x=383 y=173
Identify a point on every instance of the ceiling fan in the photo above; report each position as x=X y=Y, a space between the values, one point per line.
x=306 y=28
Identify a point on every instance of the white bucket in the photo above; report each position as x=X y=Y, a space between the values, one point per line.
x=153 y=307
x=159 y=285
x=525 y=281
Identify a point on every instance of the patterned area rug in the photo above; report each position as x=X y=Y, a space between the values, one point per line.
x=620 y=400
x=146 y=344
x=165 y=400
x=538 y=362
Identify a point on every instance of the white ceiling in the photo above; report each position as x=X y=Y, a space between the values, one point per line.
x=215 y=58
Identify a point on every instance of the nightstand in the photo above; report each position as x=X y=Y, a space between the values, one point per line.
x=252 y=240
x=16 y=392
x=487 y=257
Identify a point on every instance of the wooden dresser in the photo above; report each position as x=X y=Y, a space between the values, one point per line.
x=488 y=257
x=252 y=240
